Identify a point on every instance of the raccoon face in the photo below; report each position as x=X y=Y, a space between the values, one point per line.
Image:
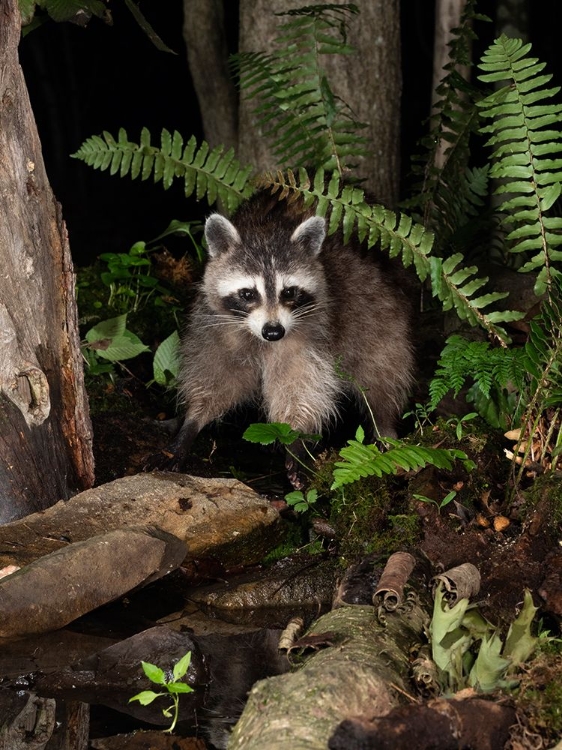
x=269 y=285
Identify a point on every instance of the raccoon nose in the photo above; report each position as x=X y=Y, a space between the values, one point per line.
x=272 y=331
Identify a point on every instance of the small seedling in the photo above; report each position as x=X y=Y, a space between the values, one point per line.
x=420 y=413
x=173 y=687
x=299 y=502
x=446 y=500
x=460 y=422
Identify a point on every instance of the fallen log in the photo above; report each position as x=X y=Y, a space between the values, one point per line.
x=362 y=670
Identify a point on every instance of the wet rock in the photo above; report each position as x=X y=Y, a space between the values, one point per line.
x=222 y=671
x=115 y=674
x=290 y=585
x=58 y=588
x=216 y=518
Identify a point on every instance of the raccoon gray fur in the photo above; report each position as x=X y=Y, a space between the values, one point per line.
x=279 y=305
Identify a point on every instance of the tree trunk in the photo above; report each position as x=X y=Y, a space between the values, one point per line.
x=207 y=54
x=369 y=82
x=45 y=431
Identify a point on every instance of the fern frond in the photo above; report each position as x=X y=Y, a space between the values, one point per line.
x=465 y=362
x=543 y=354
x=297 y=110
x=398 y=234
x=213 y=174
x=360 y=460
x=526 y=140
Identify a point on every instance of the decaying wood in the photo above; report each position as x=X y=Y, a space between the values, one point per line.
x=363 y=672
x=26 y=721
x=440 y=725
x=461 y=582
x=45 y=432
x=390 y=591
x=72 y=729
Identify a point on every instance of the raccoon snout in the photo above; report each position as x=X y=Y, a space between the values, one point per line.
x=272 y=331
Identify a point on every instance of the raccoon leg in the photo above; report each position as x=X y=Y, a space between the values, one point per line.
x=210 y=388
x=301 y=389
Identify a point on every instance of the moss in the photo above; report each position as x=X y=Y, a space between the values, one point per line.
x=371 y=516
x=539 y=703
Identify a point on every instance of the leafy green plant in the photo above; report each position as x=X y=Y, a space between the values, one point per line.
x=526 y=137
x=129 y=279
x=449 y=497
x=111 y=341
x=361 y=460
x=301 y=503
x=174 y=687
x=494 y=375
x=210 y=173
x=469 y=651
x=268 y=433
x=450 y=194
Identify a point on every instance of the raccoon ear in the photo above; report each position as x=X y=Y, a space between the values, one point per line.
x=310 y=234
x=220 y=234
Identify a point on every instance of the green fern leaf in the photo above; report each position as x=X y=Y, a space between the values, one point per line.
x=360 y=461
x=524 y=145
x=211 y=174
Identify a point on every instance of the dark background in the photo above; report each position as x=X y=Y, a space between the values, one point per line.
x=85 y=80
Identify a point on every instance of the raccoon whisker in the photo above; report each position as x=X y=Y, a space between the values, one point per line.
x=215 y=321
x=302 y=312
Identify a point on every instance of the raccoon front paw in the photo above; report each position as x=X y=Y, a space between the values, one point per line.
x=295 y=475
x=164 y=460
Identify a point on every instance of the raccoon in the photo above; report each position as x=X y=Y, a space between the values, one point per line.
x=280 y=305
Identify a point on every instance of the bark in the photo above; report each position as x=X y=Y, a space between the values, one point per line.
x=45 y=431
x=207 y=54
x=439 y=725
x=362 y=673
x=447 y=17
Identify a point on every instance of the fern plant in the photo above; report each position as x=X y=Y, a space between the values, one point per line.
x=213 y=174
x=296 y=108
x=361 y=460
x=527 y=139
x=495 y=378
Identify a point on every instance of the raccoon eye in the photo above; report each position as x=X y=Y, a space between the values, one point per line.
x=248 y=295
x=289 y=293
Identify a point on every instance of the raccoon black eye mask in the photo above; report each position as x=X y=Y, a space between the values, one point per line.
x=280 y=303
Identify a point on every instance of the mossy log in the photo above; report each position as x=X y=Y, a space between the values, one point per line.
x=362 y=671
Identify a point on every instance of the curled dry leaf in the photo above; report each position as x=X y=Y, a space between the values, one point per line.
x=394 y=577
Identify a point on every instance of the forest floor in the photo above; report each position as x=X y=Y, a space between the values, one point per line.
x=511 y=537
